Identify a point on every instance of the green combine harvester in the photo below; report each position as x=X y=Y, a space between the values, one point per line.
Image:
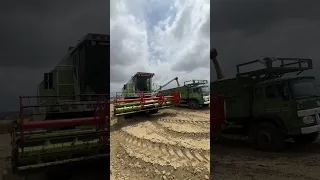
x=194 y=93
x=137 y=96
x=70 y=119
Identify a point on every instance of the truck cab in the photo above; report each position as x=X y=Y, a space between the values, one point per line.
x=295 y=102
x=197 y=93
x=203 y=94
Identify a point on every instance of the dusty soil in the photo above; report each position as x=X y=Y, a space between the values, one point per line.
x=5 y=152
x=172 y=144
x=234 y=159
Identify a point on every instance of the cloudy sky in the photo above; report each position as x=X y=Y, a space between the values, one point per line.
x=35 y=35
x=244 y=30
x=167 y=37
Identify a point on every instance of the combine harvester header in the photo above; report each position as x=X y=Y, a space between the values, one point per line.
x=70 y=114
x=137 y=96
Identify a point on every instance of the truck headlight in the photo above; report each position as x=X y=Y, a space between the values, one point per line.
x=309 y=119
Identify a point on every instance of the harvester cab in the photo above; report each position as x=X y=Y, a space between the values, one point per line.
x=137 y=96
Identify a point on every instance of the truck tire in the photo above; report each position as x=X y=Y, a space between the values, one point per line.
x=306 y=138
x=205 y=105
x=268 y=137
x=192 y=104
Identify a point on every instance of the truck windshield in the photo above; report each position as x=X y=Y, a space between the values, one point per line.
x=302 y=89
x=205 y=90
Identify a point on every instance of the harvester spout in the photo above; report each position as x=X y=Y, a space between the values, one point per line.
x=174 y=79
x=213 y=57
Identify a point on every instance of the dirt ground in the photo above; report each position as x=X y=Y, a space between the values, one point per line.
x=172 y=144
x=233 y=159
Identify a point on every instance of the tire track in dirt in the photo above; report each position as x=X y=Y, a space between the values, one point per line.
x=135 y=168
x=178 y=120
x=165 y=142
x=164 y=154
x=205 y=114
x=181 y=134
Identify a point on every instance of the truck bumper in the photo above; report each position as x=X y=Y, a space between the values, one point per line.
x=206 y=102
x=311 y=129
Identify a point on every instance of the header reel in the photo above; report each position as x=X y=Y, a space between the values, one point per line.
x=35 y=144
x=146 y=102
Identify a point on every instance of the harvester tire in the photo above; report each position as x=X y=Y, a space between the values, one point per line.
x=268 y=137
x=192 y=104
x=306 y=138
x=153 y=111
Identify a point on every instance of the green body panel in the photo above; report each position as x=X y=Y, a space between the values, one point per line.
x=238 y=98
x=63 y=85
x=187 y=93
x=129 y=90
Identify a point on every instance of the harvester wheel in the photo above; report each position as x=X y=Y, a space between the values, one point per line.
x=153 y=111
x=268 y=137
x=192 y=104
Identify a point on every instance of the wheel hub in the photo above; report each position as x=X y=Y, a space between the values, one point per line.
x=265 y=137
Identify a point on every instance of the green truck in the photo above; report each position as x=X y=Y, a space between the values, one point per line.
x=268 y=107
x=194 y=93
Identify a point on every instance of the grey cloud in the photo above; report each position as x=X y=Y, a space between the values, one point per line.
x=192 y=59
x=35 y=35
x=251 y=16
x=262 y=30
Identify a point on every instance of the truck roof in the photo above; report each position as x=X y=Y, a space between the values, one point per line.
x=284 y=79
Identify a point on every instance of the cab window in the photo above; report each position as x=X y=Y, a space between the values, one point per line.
x=274 y=91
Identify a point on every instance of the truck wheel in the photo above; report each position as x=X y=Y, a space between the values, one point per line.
x=192 y=104
x=268 y=137
x=306 y=138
